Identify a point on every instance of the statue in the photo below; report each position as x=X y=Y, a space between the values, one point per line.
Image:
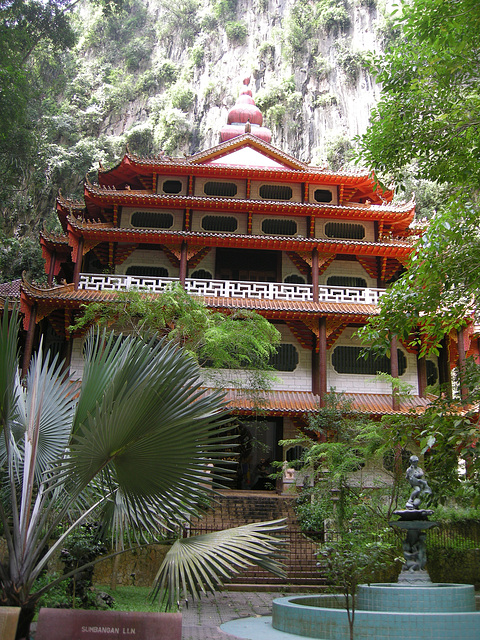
x=414 y=521
x=415 y=477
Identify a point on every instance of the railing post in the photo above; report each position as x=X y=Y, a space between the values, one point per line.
x=315 y=293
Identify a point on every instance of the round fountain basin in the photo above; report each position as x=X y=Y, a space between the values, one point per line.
x=446 y=598
x=436 y=612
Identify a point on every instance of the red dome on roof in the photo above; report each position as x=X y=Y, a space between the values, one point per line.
x=245 y=117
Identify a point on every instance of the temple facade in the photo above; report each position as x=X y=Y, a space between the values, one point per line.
x=243 y=225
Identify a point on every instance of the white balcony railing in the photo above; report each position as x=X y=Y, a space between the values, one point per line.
x=232 y=288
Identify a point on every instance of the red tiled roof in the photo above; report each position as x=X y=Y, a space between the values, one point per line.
x=104 y=232
x=74 y=298
x=10 y=290
x=298 y=403
x=294 y=307
x=400 y=215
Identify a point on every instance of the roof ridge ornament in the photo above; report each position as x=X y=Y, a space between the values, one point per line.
x=245 y=117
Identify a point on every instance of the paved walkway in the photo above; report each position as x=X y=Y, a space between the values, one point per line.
x=202 y=619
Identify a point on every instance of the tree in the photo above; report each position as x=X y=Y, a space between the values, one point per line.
x=352 y=497
x=354 y=558
x=429 y=106
x=243 y=340
x=427 y=122
x=136 y=440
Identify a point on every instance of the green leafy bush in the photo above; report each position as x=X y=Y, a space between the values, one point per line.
x=324 y=100
x=172 y=131
x=351 y=62
x=225 y=9
x=332 y=16
x=197 y=54
x=181 y=97
x=339 y=152
x=236 y=32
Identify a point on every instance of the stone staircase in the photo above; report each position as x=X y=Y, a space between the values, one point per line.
x=241 y=507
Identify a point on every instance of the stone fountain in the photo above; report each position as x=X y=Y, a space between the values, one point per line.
x=409 y=609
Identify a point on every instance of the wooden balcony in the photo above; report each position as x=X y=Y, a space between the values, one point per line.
x=233 y=289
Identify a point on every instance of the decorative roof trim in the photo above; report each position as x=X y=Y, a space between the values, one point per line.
x=402 y=213
x=67 y=295
x=325 y=245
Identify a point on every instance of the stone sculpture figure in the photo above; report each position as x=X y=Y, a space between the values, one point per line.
x=415 y=477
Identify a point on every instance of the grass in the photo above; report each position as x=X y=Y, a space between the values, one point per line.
x=132 y=599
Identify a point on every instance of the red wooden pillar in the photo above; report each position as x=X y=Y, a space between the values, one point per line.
x=322 y=359
x=315 y=275
x=394 y=370
x=461 y=363
x=315 y=371
x=78 y=263
x=51 y=272
x=422 y=376
x=444 y=369
x=27 y=354
x=183 y=264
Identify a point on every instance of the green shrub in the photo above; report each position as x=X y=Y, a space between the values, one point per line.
x=280 y=101
x=140 y=139
x=172 y=131
x=181 y=20
x=266 y=52
x=324 y=100
x=351 y=62
x=181 y=97
x=225 y=9
x=339 y=152
x=298 y=29
x=320 y=66
x=137 y=51
x=197 y=54
x=331 y=16
x=167 y=72
x=236 y=32
x=209 y=22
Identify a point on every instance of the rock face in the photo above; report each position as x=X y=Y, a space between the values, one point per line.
x=177 y=69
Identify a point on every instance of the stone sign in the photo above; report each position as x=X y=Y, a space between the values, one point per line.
x=76 y=624
x=8 y=622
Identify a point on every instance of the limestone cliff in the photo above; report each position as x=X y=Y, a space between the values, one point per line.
x=164 y=75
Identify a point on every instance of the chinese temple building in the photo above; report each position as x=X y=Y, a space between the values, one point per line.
x=243 y=225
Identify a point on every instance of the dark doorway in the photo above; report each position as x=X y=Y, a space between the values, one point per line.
x=258 y=448
x=247 y=264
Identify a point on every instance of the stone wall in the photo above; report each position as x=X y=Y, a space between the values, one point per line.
x=455 y=565
x=137 y=567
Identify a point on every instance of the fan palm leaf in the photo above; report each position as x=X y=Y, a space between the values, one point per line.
x=139 y=438
x=203 y=563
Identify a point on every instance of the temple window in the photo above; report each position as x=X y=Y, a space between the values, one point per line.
x=172 y=186
x=432 y=372
x=201 y=274
x=349 y=360
x=294 y=279
x=226 y=189
x=323 y=195
x=152 y=220
x=148 y=271
x=286 y=358
x=346 y=281
x=344 y=230
x=219 y=223
x=275 y=192
x=273 y=226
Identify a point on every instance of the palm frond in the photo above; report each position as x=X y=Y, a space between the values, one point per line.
x=152 y=432
x=9 y=328
x=203 y=563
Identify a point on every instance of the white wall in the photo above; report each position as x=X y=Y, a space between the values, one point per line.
x=355 y=383
x=347 y=268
